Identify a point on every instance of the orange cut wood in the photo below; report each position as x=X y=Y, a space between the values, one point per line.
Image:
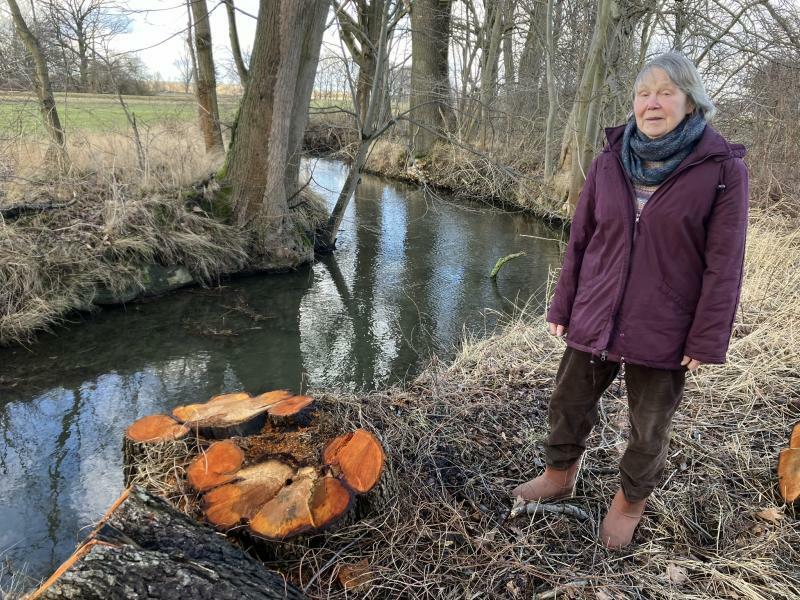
x=156 y=428
x=230 y=414
x=232 y=397
x=288 y=513
x=359 y=456
x=794 y=441
x=789 y=474
x=330 y=500
x=227 y=505
x=290 y=406
x=217 y=465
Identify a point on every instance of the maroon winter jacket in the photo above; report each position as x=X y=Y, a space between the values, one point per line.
x=648 y=291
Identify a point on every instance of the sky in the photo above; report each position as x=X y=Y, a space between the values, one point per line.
x=158 y=31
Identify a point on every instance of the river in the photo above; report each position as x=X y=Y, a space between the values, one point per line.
x=409 y=278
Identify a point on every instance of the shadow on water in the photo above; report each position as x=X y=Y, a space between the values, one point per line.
x=410 y=275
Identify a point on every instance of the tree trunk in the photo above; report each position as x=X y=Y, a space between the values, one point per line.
x=144 y=548
x=508 y=49
x=493 y=36
x=207 y=79
x=44 y=90
x=235 y=49
x=614 y=25
x=369 y=131
x=190 y=44
x=430 y=83
x=83 y=60
x=552 y=91
x=263 y=161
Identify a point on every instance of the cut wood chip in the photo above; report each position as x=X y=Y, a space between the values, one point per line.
x=354 y=576
x=217 y=465
x=290 y=406
x=308 y=502
x=789 y=474
x=226 y=506
x=239 y=413
x=794 y=441
x=156 y=428
x=359 y=456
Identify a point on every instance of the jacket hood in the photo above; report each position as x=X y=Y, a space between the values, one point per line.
x=711 y=143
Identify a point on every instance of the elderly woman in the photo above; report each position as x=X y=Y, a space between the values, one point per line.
x=651 y=279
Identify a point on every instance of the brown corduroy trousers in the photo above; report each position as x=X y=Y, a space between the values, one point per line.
x=653 y=398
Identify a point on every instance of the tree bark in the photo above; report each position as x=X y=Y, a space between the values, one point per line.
x=493 y=35
x=207 y=79
x=190 y=44
x=430 y=83
x=613 y=29
x=144 y=548
x=369 y=131
x=263 y=160
x=235 y=49
x=44 y=90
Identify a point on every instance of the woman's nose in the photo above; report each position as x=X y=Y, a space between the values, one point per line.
x=652 y=102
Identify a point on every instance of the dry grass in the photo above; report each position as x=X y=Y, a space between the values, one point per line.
x=118 y=219
x=460 y=436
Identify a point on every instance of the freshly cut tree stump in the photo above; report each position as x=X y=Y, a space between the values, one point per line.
x=144 y=548
x=789 y=468
x=230 y=504
x=278 y=500
x=152 y=441
x=239 y=414
x=789 y=474
x=794 y=441
x=215 y=466
x=360 y=458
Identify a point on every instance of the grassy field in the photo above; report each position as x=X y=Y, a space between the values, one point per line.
x=95 y=113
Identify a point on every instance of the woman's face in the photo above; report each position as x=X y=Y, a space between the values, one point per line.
x=659 y=105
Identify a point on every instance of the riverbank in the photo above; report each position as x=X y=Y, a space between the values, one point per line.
x=509 y=178
x=461 y=435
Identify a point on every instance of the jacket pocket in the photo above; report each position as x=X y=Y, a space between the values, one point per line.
x=676 y=298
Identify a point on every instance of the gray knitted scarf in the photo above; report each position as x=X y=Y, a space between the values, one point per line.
x=667 y=151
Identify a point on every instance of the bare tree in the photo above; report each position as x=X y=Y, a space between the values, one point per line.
x=44 y=90
x=241 y=68
x=372 y=122
x=263 y=161
x=362 y=35
x=430 y=81
x=185 y=71
x=82 y=28
x=206 y=81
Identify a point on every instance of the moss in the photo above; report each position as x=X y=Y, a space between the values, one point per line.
x=220 y=206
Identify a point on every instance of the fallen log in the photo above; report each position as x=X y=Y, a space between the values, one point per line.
x=144 y=548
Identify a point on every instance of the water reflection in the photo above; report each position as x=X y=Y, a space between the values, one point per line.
x=410 y=274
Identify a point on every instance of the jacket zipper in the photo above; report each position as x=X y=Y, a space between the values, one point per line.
x=636 y=219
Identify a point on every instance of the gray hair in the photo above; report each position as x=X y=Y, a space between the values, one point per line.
x=684 y=74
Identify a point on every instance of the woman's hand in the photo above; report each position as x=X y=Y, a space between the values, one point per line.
x=690 y=363
x=557 y=330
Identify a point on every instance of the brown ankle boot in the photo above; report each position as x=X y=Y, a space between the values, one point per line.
x=616 y=530
x=550 y=485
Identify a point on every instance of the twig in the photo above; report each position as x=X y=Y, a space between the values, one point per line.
x=533 y=508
